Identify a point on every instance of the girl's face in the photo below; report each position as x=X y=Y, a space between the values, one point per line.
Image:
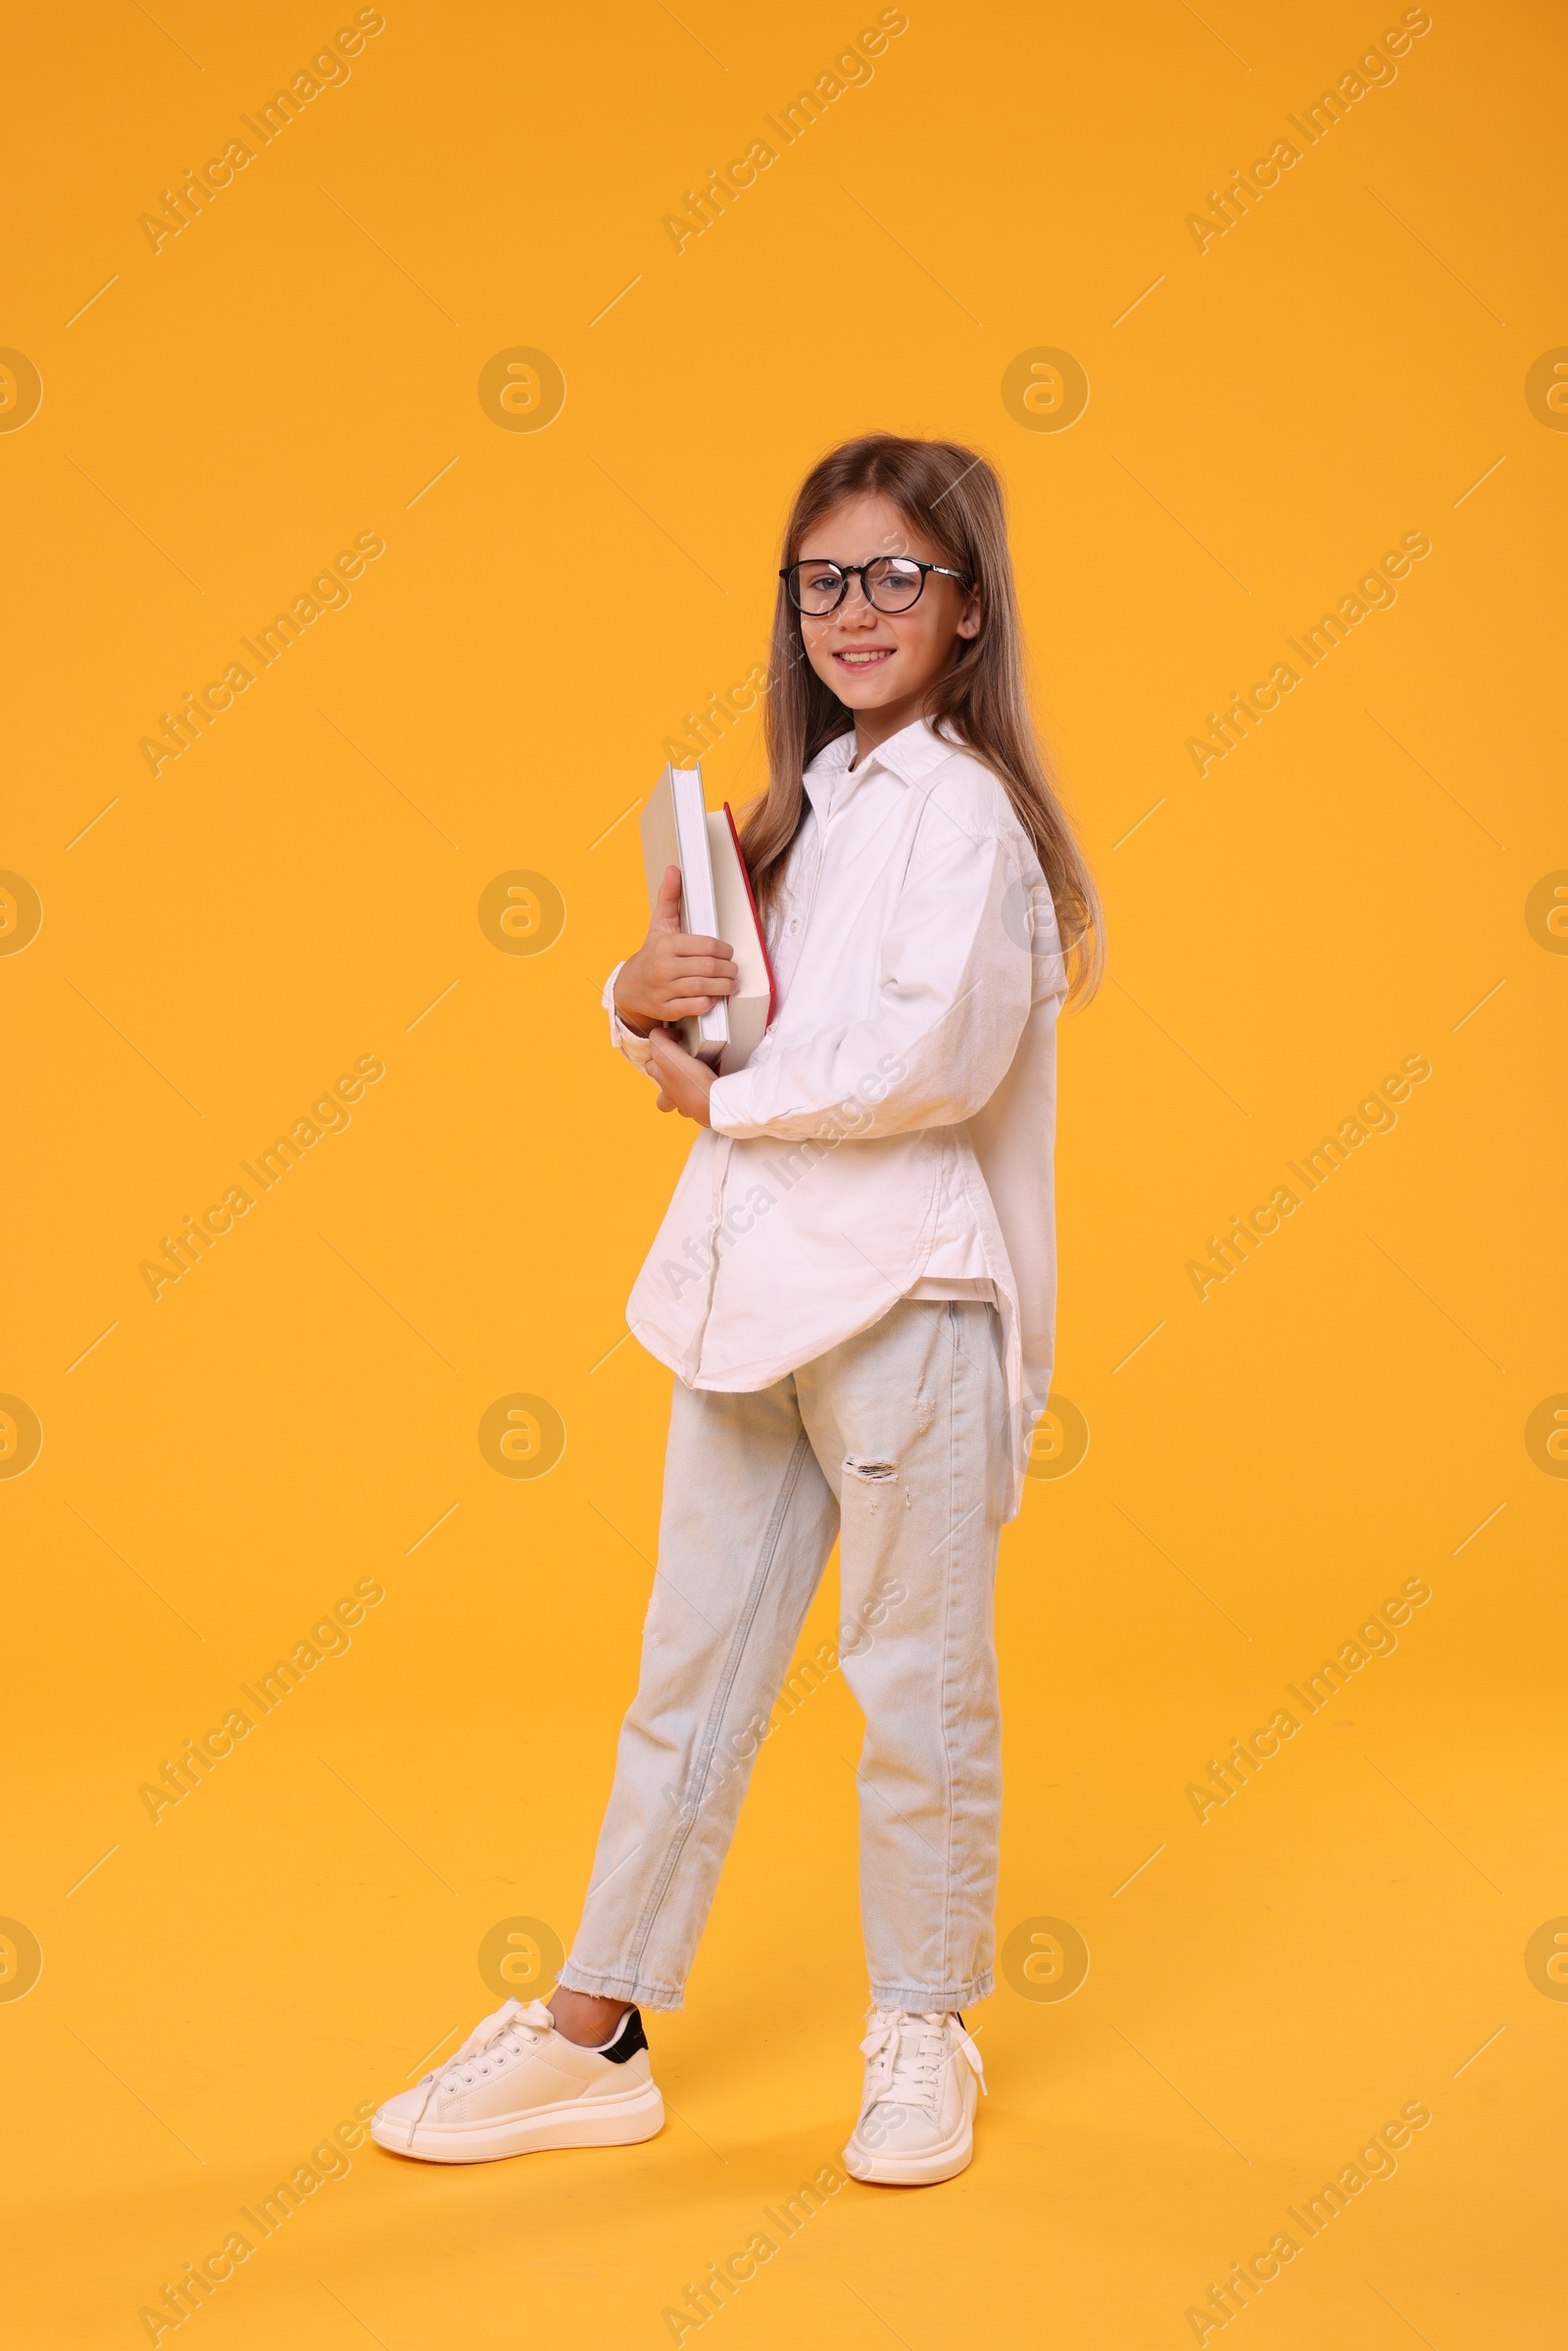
x=883 y=663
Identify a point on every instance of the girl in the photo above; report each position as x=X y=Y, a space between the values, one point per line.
x=856 y=1284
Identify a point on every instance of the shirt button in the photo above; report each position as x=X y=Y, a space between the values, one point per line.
x=795 y=924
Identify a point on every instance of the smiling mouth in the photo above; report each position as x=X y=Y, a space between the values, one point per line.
x=865 y=657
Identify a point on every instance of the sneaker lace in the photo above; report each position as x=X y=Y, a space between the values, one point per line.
x=531 y=2024
x=909 y=2055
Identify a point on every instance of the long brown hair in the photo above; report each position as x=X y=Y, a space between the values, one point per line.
x=952 y=498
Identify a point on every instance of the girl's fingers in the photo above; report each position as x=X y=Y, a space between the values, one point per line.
x=689 y=985
x=701 y=967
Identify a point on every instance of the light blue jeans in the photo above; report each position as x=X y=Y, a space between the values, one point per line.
x=895 y=1442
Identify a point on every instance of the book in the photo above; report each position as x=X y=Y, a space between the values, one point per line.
x=674 y=830
x=716 y=903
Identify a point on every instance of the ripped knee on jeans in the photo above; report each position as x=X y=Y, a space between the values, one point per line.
x=871 y=1473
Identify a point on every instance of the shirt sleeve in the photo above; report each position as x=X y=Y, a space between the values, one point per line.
x=624 y=1040
x=953 y=993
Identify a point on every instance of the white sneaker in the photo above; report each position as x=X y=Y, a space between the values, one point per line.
x=517 y=2084
x=923 y=2078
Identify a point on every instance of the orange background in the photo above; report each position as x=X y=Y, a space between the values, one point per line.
x=301 y=887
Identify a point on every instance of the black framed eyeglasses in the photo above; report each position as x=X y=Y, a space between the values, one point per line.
x=890 y=583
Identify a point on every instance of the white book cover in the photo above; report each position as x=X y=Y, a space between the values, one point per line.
x=716 y=903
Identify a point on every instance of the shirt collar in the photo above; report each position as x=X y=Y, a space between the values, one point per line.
x=909 y=754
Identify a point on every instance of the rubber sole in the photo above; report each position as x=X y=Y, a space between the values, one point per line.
x=620 y=2122
x=881 y=2172
x=880 y=2169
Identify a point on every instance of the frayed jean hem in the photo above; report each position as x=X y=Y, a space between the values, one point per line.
x=620 y=1987
x=916 y=1999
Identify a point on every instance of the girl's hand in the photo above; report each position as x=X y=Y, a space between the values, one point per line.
x=684 y=1082
x=672 y=973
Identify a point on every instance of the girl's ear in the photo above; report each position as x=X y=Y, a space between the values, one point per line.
x=969 y=620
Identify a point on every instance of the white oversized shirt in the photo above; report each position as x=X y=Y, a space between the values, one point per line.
x=899 y=1116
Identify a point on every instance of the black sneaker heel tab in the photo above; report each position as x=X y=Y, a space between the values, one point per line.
x=630 y=2038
